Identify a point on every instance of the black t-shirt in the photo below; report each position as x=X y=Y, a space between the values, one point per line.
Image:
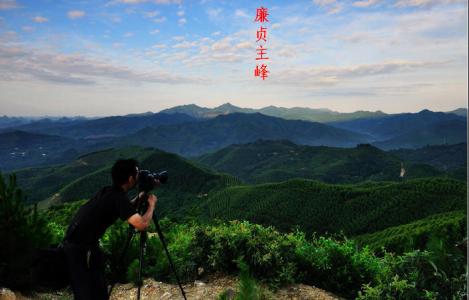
x=96 y=215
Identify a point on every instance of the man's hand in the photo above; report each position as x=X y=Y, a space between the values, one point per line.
x=152 y=200
x=142 y=222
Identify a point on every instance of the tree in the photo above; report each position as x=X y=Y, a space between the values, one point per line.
x=22 y=230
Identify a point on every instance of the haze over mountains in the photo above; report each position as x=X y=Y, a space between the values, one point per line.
x=190 y=130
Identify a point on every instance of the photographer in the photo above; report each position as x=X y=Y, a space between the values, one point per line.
x=84 y=257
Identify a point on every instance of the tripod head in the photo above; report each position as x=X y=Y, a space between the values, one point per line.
x=147 y=181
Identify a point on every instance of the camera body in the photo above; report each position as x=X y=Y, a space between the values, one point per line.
x=148 y=180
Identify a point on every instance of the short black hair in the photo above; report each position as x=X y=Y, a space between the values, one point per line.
x=122 y=170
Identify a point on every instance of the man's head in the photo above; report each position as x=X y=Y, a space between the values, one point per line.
x=125 y=173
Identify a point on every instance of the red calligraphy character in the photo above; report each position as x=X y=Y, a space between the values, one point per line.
x=261 y=15
x=262 y=34
x=261 y=71
x=261 y=53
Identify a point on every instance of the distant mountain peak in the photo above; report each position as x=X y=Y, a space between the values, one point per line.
x=425 y=111
x=227 y=105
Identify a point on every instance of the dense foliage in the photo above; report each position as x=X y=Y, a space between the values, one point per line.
x=274 y=161
x=332 y=263
x=353 y=209
x=444 y=157
x=21 y=231
x=448 y=228
x=81 y=178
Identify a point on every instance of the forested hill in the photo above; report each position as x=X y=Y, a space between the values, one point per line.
x=82 y=178
x=444 y=157
x=279 y=160
x=353 y=209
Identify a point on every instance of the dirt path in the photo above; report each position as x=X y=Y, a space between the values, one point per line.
x=199 y=290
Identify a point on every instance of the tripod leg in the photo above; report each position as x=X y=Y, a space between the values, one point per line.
x=163 y=242
x=143 y=240
x=120 y=262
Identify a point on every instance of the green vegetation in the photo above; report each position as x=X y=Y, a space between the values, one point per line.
x=21 y=231
x=82 y=178
x=42 y=183
x=364 y=239
x=276 y=161
x=321 y=208
x=449 y=228
x=443 y=157
x=336 y=264
x=332 y=263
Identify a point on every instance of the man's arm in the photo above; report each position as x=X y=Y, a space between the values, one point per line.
x=142 y=222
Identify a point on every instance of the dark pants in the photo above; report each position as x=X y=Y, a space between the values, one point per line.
x=86 y=271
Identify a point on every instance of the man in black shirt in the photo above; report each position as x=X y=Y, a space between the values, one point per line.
x=84 y=257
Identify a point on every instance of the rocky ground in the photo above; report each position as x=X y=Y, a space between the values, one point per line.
x=198 y=290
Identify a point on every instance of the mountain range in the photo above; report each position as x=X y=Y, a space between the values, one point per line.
x=190 y=139
x=191 y=131
x=294 y=113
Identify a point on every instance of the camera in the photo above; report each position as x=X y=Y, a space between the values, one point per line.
x=148 y=180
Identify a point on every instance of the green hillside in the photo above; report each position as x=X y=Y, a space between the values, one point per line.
x=321 y=208
x=274 y=161
x=187 y=185
x=450 y=227
x=41 y=183
x=444 y=157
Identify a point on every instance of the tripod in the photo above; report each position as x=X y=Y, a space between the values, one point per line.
x=142 y=205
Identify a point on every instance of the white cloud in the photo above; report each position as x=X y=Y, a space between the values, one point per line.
x=27 y=28
x=214 y=13
x=39 y=19
x=365 y=3
x=76 y=14
x=182 y=21
x=216 y=33
x=167 y=1
x=154 y=31
x=332 y=6
x=424 y=3
x=185 y=45
x=223 y=44
x=129 y=34
x=55 y=67
x=333 y=75
x=180 y=13
x=159 y=20
x=245 y=45
x=8 y=4
x=133 y=2
x=159 y=46
x=241 y=13
x=151 y=14
x=275 y=26
x=178 y=38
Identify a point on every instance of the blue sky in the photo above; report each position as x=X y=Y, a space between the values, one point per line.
x=116 y=57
